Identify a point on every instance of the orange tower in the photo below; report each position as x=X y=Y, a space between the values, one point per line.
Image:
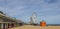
x=43 y=23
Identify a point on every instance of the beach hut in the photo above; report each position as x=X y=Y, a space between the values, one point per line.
x=43 y=23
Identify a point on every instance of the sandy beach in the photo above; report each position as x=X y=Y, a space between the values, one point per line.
x=36 y=27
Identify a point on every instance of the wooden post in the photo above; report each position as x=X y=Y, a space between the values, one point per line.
x=12 y=25
x=0 y=25
x=9 y=25
x=20 y=24
x=4 y=26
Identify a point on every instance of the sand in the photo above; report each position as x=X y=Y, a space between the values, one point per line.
x=36 y=27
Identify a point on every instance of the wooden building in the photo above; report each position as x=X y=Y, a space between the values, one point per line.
x=8 y=22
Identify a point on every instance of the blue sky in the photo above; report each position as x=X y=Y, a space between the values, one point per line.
x=48 y=10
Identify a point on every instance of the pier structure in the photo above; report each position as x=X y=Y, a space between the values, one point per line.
x=8 y=22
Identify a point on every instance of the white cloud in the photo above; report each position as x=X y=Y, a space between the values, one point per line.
x=50 y=19
x=1 y=0
x=25 y=7
x=14 y=11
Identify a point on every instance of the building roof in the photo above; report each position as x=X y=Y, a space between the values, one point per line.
x=5 y=17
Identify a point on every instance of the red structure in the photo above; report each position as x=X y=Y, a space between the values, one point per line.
x=43 y=23
x=12 y=25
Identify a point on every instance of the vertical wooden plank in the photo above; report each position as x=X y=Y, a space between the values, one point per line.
x=20 y=24
x=7 y=25
x=0 y=25
x=3 y=25
x=12 y=25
